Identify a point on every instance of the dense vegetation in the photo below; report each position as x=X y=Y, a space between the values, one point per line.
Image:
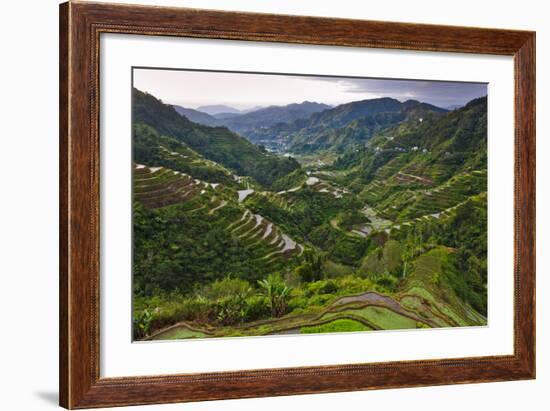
x=343 y=126
x=214 y=143
x=230 y=240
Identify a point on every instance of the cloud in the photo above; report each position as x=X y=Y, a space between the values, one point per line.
x=441 y=93
x=191 y=88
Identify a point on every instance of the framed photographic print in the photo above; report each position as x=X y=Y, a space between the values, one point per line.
x=258 y=205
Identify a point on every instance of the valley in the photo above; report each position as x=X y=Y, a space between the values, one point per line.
x=367 y=216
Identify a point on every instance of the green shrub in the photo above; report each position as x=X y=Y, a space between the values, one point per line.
x=277 y=293
x=230 y=310
x=321 y=287
x=329 y=287
x=257 y=308
x=226 y=287
x=142 y=323
x=349 y=250
x=354 y=285
x=195 y=309
x=387 y=282
x=298 y=303
x=321 y=299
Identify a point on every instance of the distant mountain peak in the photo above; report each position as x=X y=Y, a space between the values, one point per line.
x=476 y=101
x=413 y=104
x=214 y=109
x=411 y=101
x=312 y=103
x=196 y=116
x=245 y=123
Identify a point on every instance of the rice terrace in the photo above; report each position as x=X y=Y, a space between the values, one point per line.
x=285 y=204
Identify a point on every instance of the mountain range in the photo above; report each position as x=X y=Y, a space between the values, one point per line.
x=245 y=123
x=336 y=128
x=308 y=127
x=222 y=109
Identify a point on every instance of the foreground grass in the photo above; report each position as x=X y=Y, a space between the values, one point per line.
x=235 y=307
x=343 y=325
x=180 y=333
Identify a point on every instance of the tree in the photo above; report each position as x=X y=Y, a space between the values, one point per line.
x=411 y=247
x=142 y=323
x=277 y=293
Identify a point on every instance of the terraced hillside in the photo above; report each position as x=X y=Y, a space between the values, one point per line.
x=417 y=306
x=157 y=187
x=206 y=211
x=401 y=200
x=392 y=235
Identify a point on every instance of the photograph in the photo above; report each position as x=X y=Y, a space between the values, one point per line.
x=276 y=204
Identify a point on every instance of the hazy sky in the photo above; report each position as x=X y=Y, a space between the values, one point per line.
x=241 y=90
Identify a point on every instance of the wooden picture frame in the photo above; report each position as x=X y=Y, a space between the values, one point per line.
x=80 y=27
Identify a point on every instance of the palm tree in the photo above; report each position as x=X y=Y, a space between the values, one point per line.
x=277 y=293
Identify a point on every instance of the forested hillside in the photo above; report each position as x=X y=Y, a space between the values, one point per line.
x=214 y=143
x=230 y=240
x=197 y=116
x=337 y=128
